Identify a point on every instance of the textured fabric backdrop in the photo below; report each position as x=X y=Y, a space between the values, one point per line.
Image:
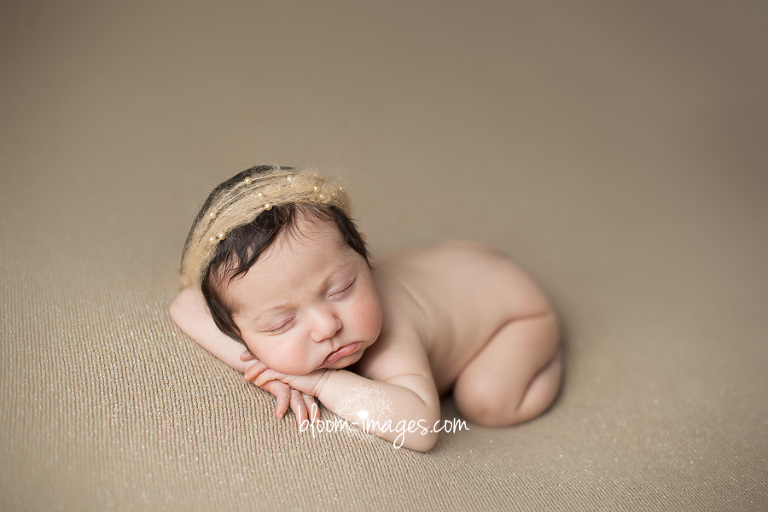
x=617 y=152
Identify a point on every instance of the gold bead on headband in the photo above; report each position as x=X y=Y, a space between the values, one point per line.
x=241 y=203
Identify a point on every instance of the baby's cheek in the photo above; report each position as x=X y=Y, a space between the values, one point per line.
x=285 y=359
x=368 y=314
x=291 y=362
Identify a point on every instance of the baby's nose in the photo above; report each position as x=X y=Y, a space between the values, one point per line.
x=326 y=324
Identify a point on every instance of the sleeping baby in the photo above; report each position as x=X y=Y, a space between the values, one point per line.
x=274 y=265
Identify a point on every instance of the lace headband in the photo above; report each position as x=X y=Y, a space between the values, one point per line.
x=243 y=202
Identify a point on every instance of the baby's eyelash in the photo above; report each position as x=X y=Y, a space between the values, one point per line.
x=343 y=290
x=280 y=328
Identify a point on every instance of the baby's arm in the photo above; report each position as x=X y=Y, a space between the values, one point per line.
x=190 y=312
x=402 y=409
x=398 y=403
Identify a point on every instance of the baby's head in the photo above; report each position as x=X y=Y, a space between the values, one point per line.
x=284 y=269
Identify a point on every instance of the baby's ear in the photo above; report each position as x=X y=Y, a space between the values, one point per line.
x=363 y=237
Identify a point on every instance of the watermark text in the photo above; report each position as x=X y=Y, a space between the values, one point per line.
x=370 y=425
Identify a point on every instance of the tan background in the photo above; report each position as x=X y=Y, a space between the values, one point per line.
x=616 y=150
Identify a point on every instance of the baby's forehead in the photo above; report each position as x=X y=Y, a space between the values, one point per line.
x=309 y=245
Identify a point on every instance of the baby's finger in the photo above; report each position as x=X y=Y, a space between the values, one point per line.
x=283 y=398
x=311 y=404
x=298 y=407
x=247 y=356
x=254 y=371
x=266 y=375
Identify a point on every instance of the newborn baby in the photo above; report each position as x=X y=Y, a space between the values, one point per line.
x=274 y=264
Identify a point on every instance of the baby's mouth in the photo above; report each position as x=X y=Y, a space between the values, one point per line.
x=340 y=352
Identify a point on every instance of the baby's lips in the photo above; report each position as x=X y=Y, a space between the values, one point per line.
x=340 y=352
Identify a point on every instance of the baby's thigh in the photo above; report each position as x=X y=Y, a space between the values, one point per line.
x=515 y=376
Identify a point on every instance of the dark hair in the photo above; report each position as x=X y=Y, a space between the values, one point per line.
x=240 y=250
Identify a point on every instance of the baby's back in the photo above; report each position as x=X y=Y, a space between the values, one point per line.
x=455 y=296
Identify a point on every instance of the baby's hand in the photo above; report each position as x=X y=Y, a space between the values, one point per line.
x=302 y=405
x=309 y=384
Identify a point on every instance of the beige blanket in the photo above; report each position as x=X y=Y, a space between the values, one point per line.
x=617 y=152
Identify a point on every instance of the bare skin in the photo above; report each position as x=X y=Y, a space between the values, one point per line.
x=319 y=323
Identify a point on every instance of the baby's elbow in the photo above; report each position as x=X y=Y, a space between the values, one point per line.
x=424 y=443
x=175 y=310
x=184 y=307
x=420 y=435
x=178 y=310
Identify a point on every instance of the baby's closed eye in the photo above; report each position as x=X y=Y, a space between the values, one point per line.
x=280 y=326
x=341 y=291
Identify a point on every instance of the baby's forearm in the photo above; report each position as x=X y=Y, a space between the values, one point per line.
x=402 y=411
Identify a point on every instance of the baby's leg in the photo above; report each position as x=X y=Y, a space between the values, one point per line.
x=515 y=377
